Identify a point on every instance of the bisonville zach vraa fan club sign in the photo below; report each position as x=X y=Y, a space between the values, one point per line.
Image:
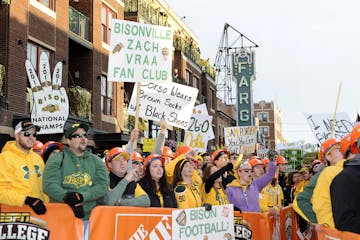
x=140 y=52
x=50 y=105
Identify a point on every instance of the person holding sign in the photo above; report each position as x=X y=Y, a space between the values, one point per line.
x=220 y=158
x=154 y=183
x=344 y=189
x=187 y=192
x=244 y=191
x=321 y=200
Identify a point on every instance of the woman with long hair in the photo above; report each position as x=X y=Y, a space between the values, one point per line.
x=213 y=191
x=187 y=192
x=154 y=183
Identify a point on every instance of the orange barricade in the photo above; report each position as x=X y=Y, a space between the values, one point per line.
x=59 y=222
x=120 y=223
x=331 y=233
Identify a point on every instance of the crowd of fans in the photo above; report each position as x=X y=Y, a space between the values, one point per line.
x=324 y=192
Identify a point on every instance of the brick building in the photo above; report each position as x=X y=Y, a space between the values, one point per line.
x=270 y=122
x=77 y=33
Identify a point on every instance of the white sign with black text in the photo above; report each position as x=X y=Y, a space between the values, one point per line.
x=241 y=139
x=321 y=125
x=169 y=101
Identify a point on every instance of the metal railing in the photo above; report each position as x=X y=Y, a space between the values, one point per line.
x=147 y=11
x=79 y=23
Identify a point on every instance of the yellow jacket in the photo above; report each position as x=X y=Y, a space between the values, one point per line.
x=20 y=175
x=169 y=171
x=321 y=199
x=187 y=196
x=215 y=196
x=271 y=196
x=300 y=187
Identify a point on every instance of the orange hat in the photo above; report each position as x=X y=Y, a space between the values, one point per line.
x=355 y=135
x=48 y=147
x=254 y=161
x=280 y=160
x=153 y=157
x=217 y=154
x=182 y=150
x=265 y=161
x=38 y=146
x=327 y=146
x=345 y=144
x=137 y=156
x=114 y=153
x=167 y=152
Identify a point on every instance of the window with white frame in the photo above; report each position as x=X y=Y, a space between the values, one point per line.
x=106 y=17
x=33 y=54
x=263 y=116
x=196 y=82
x=48 y=3
x=265 y=131
x=107 y=93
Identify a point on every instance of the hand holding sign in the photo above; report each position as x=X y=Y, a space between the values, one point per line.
x=51 y=104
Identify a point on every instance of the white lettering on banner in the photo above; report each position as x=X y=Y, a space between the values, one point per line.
x=321 y=125
x=162 y=230
x=170 y=101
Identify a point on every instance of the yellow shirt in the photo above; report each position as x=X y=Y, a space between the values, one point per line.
x=271 y=196
x=187 y=196
x=215 y=196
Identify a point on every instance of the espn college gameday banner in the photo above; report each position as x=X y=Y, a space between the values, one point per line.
x=59 y=222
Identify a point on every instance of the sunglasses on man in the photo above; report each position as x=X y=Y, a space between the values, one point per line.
x=84 y=135
x=28 y=134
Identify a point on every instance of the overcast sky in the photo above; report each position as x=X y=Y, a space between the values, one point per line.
x=305 y=49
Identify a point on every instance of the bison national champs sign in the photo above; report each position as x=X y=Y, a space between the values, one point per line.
x=140 y=52
x=50 y=105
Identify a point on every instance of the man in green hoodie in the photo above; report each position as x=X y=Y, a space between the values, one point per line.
x=75 y=175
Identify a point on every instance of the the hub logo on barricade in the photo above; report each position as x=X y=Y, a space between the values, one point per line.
x=242 y=229
x=288 y=226
x=21 y=226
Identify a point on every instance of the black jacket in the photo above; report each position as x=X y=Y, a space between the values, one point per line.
x=168 y=198
x=345 y=197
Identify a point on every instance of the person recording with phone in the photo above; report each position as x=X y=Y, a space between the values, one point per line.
x=124 y=190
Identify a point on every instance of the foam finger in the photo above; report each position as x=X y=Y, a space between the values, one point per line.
x=33 y=79
x=57 y=76
x=45 y=77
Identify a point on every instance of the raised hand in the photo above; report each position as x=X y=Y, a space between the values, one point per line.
x=51 y=105
x=272 y=154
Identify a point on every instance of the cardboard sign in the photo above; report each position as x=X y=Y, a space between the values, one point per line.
x=197 y=223
x=50 y=108
x=320 y=125
x=140 y=52
x=148 y=144
x=241 y=139
x=169 y=101
x=197 y=134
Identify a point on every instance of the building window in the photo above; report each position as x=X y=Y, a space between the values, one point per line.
x=107 y=93
x=106 y=17
x=33 y=54
x=49 y=3
x=263 y=116
x=265 y=131
x=187 y=77
x=196 y=82
x=212 y=98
